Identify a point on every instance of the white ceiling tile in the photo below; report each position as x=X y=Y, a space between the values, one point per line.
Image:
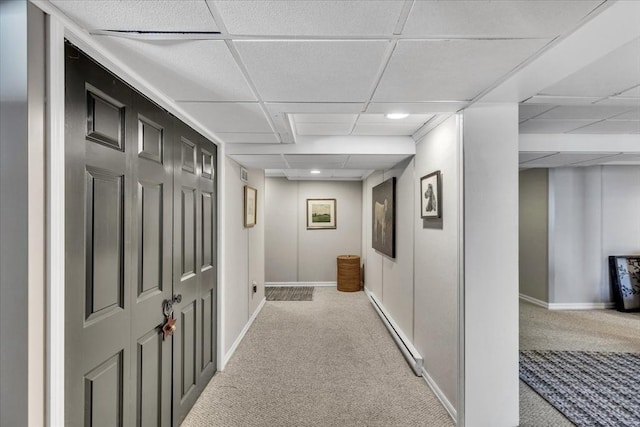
x=382 y=119
x=348 y=173
x=249 y=138
x=606 y=76
x=309 y=18
x=314 y=107
x=415 y=107
x=582 y=112
x=622 y=158
x=629 y=115
x=561 y=100
x=526 y=156
x=527 y=111
x=566 y=159
x=552 y=126
x=611 y=127
x=632 y=93
x=325 y=118
x=186 y=70
x=139 y=15
x=374 y=161
x=313 y=70
x=309 y=129
x=385 y=129
x=268 y=161
x=620 y=101
x=496 y=18
x=273 y=173
x=229 y=117
x=310 y=161
x=454 y=70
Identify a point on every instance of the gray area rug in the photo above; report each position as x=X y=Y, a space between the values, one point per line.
x=289 y=293
x=589 y=388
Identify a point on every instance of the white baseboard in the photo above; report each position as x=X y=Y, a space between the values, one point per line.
x=534 y=301
x=242 y=334
x=284 y=284
x=568 y=305
x=404 y=344
x=440 y=395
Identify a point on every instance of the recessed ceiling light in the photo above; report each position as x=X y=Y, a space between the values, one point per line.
x=396 y=116
x=315 y=171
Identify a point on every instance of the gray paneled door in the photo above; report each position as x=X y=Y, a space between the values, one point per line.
x=140 y=228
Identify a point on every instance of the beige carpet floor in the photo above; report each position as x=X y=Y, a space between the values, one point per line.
x=327 y=362
x=588 y=330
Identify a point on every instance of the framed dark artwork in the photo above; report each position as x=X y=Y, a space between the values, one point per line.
x=250 y=206
x=321 y=214
x=431 y=196
x=383 y=225
x=624 y=271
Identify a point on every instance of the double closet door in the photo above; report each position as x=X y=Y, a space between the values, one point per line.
x=141 y=209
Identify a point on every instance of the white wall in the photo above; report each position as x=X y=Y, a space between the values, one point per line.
x=594 y=213
x=312 y=254
x=244 y=257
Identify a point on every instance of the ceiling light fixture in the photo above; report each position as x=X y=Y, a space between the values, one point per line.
x=315 y=171
x=396 y=116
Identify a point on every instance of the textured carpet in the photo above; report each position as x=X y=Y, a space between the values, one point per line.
x=589 y=388
x=330 y=362
x=289 y=293
x=588 y=330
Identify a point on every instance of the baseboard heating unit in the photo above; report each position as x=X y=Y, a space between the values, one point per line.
x=408 y=350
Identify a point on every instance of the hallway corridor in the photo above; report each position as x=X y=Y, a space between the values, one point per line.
x=326 y=362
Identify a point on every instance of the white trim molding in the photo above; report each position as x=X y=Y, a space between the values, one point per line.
x=285 y=284
x=244 y=331
x=404 y=344
x=440 y=395
x=568 y=305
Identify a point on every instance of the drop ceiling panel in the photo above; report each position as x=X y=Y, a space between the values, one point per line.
x=561 y=100
x=269 y=161
x=620 y=101
x=276 y=108
x=629 y=115
x=297 y=161
x=381 y=119
x=386 y=129
x=160 y=15
x=373 y=161
x=186 y=70
x=229 y=117
x=454 y=70
x=566 y=159
x=415 y=107
x=309 y=18
x=313 y=70
x=632 y=93
x=582 y=112
x=609 y=75
x=527 y=111
x=249 y=138
x=496 y=18
x=334 y=129
x=611 y=127
x=622 y=158
x=552 y=126
x=526 y=156
x=325 y=118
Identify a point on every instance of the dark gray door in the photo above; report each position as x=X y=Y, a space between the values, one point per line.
x=121 y=157
x=194 y=268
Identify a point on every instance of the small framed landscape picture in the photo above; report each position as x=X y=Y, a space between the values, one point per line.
x=250 y=206
x=321 y=214
x=431 y=196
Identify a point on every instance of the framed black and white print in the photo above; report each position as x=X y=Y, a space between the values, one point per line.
x=624 y=272
x=431 y=196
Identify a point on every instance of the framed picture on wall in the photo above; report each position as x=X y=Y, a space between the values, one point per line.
x=321 y=214
x=431 y=196
x=250 y=206
x=624 y=272
x=383 y=233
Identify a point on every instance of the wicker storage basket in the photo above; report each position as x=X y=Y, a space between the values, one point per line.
x=348 y=273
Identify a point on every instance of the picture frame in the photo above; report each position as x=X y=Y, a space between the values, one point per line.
x=250 y=206
x=431 y=195
x=244 y=175
x=624 y=271
x=383 y=206
x=321 y=214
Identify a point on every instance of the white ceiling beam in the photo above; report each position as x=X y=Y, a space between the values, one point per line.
x=579 y=143
x=388 y=145
x=616 y=25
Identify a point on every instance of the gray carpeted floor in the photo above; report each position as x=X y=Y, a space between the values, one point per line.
x=330 y=362
x=589 y=330
x=289 y=293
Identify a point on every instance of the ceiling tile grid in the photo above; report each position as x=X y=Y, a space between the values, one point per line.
x=229 y=117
